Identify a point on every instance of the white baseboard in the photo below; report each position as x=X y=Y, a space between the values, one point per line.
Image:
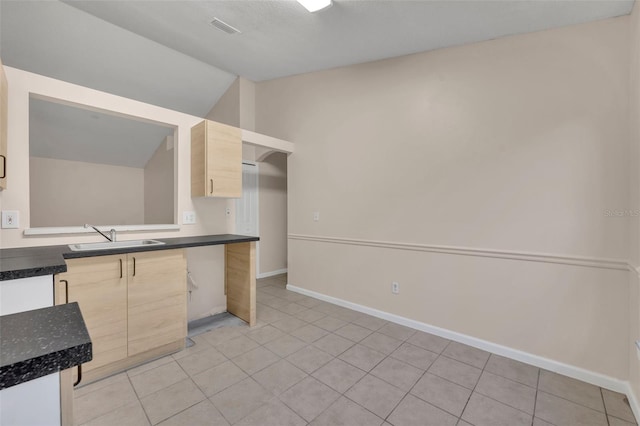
x=272 y=273
x=592 y=377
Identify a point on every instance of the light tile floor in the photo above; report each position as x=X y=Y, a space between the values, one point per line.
x=311 y=362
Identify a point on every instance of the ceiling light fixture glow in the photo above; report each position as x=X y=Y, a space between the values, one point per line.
x=315 y=5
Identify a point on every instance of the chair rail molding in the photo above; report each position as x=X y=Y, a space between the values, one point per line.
x=590 y=262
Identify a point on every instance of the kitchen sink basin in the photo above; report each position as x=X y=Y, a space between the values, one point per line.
x=108 y=245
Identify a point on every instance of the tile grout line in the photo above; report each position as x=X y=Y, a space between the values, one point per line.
x=415 y=396
x=272 y=396
x=442 y=354
x=138 y=396
x=386 y=356
x=292 y=409
x=606 y=416
x=572 y=402
x=504 y=403
x=535 y=401
x=347 y=319
x=188 y=377
x=207 y=398
x=343 y=394
x=474 y=389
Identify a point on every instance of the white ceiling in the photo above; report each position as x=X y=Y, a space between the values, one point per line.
x=54 y=39
x=167 y=53
x=280 y=38
x=69 y=133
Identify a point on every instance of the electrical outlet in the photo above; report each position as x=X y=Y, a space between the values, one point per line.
x=316 y=216
x=395 y=288
x=227 y=211
x=188 y=218
x=10 y=219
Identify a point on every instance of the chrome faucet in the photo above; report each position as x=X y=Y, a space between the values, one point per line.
x=112 y=232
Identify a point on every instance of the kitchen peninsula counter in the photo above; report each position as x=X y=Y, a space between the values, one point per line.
x=25 y=262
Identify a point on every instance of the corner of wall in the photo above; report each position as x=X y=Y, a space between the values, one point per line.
x=227 y=109
x=634 y=206
x=247 y=104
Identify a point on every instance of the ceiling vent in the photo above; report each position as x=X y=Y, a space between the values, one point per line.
x=223 y=26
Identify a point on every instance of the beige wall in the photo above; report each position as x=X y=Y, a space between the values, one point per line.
x=272 y=184
x=517 y=145
x=72 y=193
x=247 y=105
x=634 y=195
x=227 y=109
x=158 y=186
x=237 y=108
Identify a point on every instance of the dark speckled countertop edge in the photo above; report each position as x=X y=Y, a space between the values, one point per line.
x=35 y=368
x=42 y=341
x=25 y=262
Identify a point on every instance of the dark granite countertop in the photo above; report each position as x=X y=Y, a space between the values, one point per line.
x=41 y=342
x=27 y=262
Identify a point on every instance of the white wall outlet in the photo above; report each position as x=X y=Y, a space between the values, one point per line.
x=316 y=216
x=10 y=219
x=395 y=288
x=227 y=211
x=188 y=218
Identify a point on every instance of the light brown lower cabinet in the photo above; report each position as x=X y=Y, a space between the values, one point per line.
x=99 y=285
x=134 y=306
x=157 y=300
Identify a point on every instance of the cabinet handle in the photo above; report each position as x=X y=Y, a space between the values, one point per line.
x=211 y=186
x=66 y=290
x=79 y=376
x=120 y=267
x=4 y=167
x=134 y=266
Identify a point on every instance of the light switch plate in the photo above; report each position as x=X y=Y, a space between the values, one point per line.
x=316 y=216
x=188 y=218
x=10 y=219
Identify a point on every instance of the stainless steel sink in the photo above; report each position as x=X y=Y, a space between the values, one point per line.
x=108 y=245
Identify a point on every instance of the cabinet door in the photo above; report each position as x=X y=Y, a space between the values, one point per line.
x=99 y=285
x=216 y=160
x=4 y=88
x=224 y=160
x=157 y=299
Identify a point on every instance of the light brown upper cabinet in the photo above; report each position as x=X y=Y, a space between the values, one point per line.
x=216 y=160
x=4 y=89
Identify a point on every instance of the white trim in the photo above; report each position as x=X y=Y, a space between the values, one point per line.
x=592 y=377
x=105 y=228
x=272 y=273
x=258 y=139
x=633 y=401
x=591 y=262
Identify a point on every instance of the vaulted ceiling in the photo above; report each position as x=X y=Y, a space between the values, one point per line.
x=166 y=52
